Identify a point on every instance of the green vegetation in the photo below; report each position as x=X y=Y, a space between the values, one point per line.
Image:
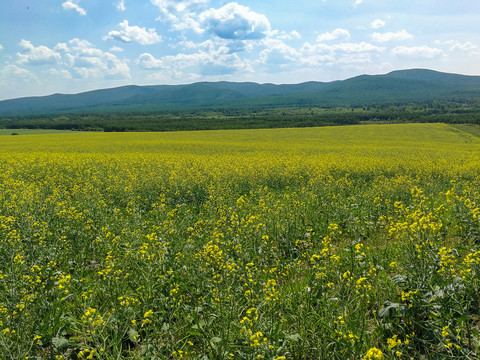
x=354 y=242
x=253 y=118
x=421 y=96
x=30 y=131
x=395 y=88
x=473 y=129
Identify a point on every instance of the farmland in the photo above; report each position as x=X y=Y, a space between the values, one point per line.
x=355 y=242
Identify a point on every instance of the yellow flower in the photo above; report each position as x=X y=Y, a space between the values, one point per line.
x=373 y=354
x=393 y=341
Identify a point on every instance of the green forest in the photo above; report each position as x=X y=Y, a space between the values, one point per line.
x=465 y=112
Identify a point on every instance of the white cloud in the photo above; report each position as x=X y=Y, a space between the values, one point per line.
x=391 y=36
x=185 y=22
x=179 y=6
x=181 y=15
x=121 y=5
x=377 y=24
x=61 y=47
x=279 y=54
x=209 y=59
x=81 y=59
x=342 y=47
x=234 y=26
x=235 y=22
x=358 y=2
x=417 y=51
x=115 y=49
x=73 y=5
x=335 y=34
x=149 y=62
x=1 y=47
x=36 y=55
x=17 y=72
x=62 y=73
x=468 y=46
x=89 y=62
x=338 y=54
x=457 y=45
x=361 y=47
x=134 y=34
x=292 y=35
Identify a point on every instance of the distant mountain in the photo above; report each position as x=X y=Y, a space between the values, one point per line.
x=401 y=86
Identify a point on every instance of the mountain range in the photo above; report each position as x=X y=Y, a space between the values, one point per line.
x=397 y=87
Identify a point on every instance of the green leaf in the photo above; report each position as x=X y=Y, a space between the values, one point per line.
x=294 y=337
x=148 y=349
x=391 y=310
x=60 y=343
x=399 y=279
x=133 y=335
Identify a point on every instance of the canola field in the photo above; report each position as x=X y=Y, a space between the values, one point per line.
x=359 y=242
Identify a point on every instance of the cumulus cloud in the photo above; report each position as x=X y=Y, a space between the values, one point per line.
x=287 y=36
x=210 y=59
x=233 y=26
x=343 y=47
x=134 y=34
x=279 y=54
x=149 y=62
x=115 y=49
x=334 y=35
x=454 y=45
x=343 y=53
x=73 y=5
x=391 y=36
x=235 y=22
x=417 y=51
x=179 y=5
x=86 y=61
x=121 y=5
x=182 y=15
x=77 y=58
x=12 y=70
x=61 y=73
x=36 y=55
x=61 y=47
x=377 y=24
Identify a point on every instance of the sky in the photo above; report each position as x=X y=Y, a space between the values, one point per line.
x=58 y=46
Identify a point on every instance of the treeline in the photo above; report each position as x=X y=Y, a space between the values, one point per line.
x=153 y=122
x=253 y=118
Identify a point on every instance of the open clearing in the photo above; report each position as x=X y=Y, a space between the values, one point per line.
x=31 y=131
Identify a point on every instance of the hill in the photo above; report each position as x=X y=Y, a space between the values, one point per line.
x=403 y=86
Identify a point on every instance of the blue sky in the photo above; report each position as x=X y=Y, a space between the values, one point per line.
x=69 y=46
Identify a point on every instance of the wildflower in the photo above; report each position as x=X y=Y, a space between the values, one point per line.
x=393 y=342
x=373 y=354
x=445 y=332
